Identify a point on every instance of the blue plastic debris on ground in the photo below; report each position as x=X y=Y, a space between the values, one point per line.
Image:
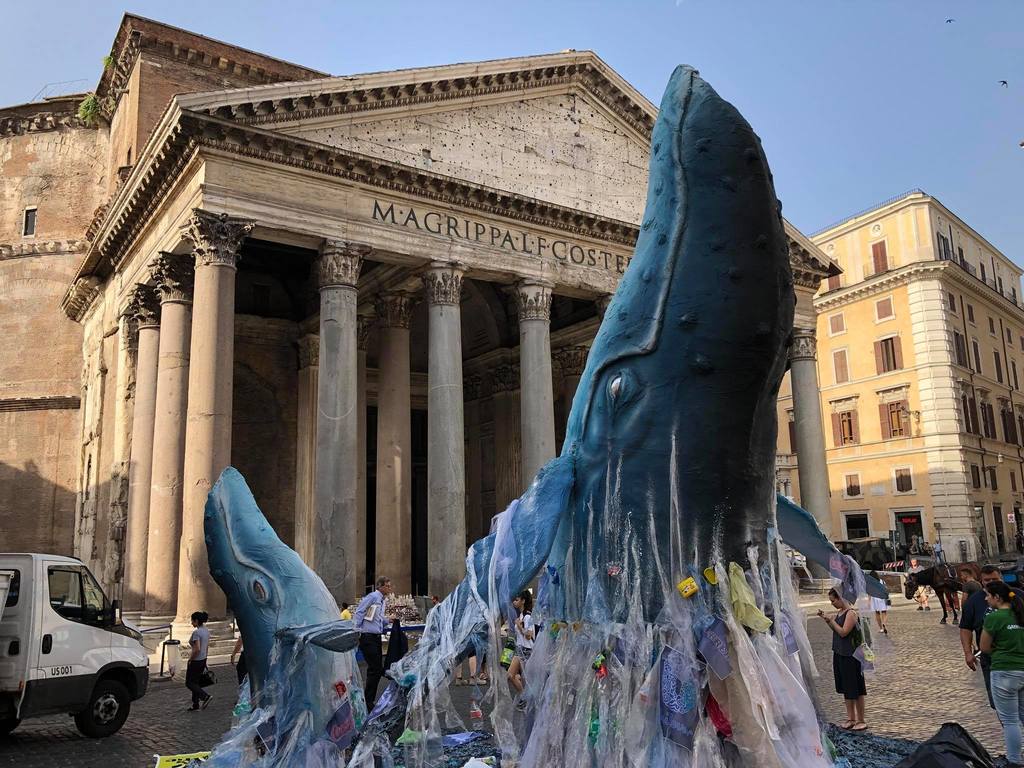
x=457 y=755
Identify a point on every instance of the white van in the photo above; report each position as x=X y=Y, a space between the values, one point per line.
x=63 y=647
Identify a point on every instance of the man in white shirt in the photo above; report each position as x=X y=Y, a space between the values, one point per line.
x=369 y=621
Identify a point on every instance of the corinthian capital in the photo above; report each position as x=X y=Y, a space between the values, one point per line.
x=805 y=345
x=215 y=237
x=144 y=306
x=394 y=309
x=173 y=274
x=442 y=283
x=533 y=300
x=340 y=262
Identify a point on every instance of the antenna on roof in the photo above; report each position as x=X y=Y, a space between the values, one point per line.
x=55 y=89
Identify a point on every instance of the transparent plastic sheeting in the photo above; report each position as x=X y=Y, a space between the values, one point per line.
x=308 y=713
x=695 y=688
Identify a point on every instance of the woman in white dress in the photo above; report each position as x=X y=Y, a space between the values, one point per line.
x=880 y=607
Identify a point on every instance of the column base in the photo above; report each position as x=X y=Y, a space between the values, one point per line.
x=816 y=586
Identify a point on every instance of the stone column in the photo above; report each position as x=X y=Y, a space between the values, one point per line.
x=145 y=309
x=812 y=469
x=536 y=391
x=305 y=453
x=365 y=324
x=394 y=443
x=173 y=276
x=337 y=441
x=601 y=304
x=446 y=458
x=116 y=557
x=216 y=240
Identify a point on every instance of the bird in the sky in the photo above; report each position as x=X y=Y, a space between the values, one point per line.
x=1004 y=84
x=950 y=21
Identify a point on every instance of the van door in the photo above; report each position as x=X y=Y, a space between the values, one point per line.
x=15 y=636
x=73 y=647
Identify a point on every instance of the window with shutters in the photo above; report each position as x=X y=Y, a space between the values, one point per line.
x=1020 y=429
x=977 y=356
x=1013 y=374
x=960 y=350
x=965 y=407
x=888 y=355
x=984 y=277
x=992 y=326
x=833 y=282
x=988 y=420
x=845 y=428
x=999 y=366
x=857 y=526
x=975 y=422
x=944 y=251
x=852 y=482
x=791 y=419
x=836 y=324
x=1013 y=480
x=992 y=482
x=1009 y=425
x=879 y=258
x=883 y=309
x=975 y=476
x=970 y=314
x=903 y=480
x=840 y=367
x=893 y=422
x=952 y=302
x=999 y=282
x=1009 y=336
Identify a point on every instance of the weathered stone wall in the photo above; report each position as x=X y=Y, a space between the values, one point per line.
x=562 y=149
x=61 y=172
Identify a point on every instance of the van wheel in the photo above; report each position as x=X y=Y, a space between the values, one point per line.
x=8 y=724
x=108 y=709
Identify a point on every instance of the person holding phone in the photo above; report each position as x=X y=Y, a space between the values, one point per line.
x=849 y=676
x=1002 y=637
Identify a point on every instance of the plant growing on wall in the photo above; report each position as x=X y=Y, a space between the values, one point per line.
x=89 y=109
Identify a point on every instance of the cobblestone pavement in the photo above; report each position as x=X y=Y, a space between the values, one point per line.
x=921 y=683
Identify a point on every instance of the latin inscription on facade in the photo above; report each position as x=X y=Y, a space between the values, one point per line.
x=515 y=240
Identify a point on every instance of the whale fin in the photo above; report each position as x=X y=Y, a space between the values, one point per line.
x=800 y=530
x=337 y=636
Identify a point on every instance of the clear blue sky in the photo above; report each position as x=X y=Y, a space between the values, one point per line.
x=855 y=100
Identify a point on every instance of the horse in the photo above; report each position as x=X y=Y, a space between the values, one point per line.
x=943 y=579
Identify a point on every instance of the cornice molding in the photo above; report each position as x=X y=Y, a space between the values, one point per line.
x=41 y=248
x=79 y=297
x=42 y=121
x=341 y=100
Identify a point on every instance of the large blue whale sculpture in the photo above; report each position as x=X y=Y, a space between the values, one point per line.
x=667 y=470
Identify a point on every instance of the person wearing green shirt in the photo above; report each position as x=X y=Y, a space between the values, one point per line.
x=1002 y=636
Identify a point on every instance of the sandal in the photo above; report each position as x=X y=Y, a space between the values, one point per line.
x=848 y=725
x=860 y=726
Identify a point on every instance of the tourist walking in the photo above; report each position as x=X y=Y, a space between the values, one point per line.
x=1003 y=638
x=976 y=608
x=195 y=672
x=524 y=627
x=369 y=621
x=849 y=677
x=880 y=607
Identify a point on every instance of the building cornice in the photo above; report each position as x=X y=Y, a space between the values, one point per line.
x=38 y=122
x=40 y=248
x=137 y=35
x=345 y=96
x=906 y=274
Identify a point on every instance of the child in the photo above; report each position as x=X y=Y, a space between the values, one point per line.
x=523 y=603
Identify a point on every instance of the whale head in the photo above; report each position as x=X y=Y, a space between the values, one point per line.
x=267 y=585
x=673 y=424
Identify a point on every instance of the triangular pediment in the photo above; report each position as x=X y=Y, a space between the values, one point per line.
x=562 y=128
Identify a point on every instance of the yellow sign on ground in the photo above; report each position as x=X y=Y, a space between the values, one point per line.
x=179 y=761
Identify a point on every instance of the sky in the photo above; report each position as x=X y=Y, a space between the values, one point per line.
x=856 y=101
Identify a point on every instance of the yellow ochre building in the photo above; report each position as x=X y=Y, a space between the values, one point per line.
x=920 y=354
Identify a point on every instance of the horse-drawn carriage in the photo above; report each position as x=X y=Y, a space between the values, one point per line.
x=949 y=579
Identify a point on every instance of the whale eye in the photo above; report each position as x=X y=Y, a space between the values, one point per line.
x=615 y=387
x=258 y=590
x=622 y=389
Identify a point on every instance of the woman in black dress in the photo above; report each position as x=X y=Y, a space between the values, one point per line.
x=848 y=673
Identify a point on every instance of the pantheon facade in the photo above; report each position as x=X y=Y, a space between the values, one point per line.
x=372 y=294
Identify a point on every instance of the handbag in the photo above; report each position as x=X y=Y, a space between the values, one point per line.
x=207 y=678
